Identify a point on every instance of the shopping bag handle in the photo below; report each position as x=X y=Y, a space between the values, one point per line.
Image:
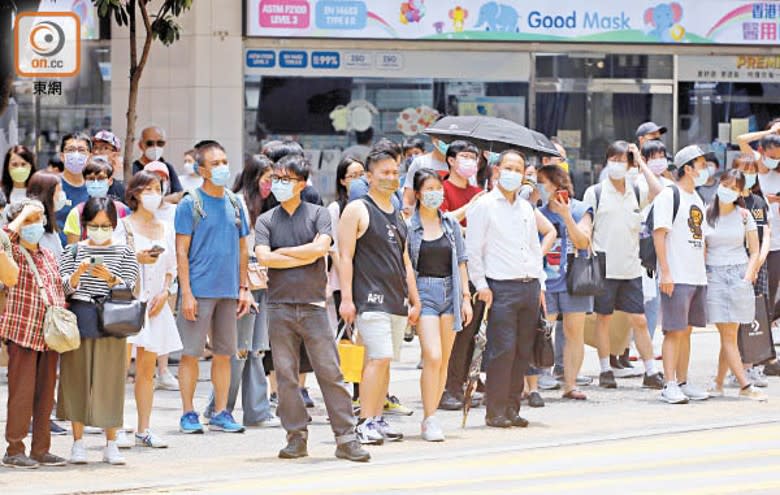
x=352 y=333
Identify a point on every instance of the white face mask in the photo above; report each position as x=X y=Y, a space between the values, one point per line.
x=151 y=201
x=632 y=174
x=189 y=168
x=658 y=165
x=616 y=170
x=153 y=153
x=99 y=236
x=60 y=201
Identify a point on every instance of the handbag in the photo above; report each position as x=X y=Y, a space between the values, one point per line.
x=60 y=326
x=351 y=356
x=120 y=313
x=258 y=276
x=543 y=351
x=585 y=274
x=755 y=339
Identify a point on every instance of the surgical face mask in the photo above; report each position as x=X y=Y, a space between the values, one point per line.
x=771 y=163
x=32 y=233
x=616 y=170
x=97 y=188
x=75 y=162
x=265 y=189
x=60 y=201
x=467 y=167
x=632 y=174
x=153 y=153
x=281 y=191
x=726 y=195
x=388 y=185
x=220 y=175
x=442 y=147
x=433 y=199
x=510 y=180
x=493 y=157
x=704 y=174
x=525 y=191
x=712 y=170
x=750 y=181
x=151 y=201
x=544 y=194
x=19 y=174
x=189 y=168
x=657 y=165
x=98 y=235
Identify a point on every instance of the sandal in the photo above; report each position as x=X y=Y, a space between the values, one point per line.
x=575 y=395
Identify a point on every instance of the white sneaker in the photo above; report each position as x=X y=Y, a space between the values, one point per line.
x=166 y=381
x=78 y=453
x=368 y=434
x=431 y=430
x=693 y=392
x=123 y=440
x=731 y=381
x=714 y=391
x=672 y=394
x=548 y=382
x=753 y=393
x=93 y=430
x=272 y=422
x=627 y=372
x=149 y=439
x=111 y=454
x=757 y=377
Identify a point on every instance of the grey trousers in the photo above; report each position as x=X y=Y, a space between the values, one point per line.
x=289 y=325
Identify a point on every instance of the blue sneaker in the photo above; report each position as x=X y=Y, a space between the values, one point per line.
x=189 y=423
x=224 y=422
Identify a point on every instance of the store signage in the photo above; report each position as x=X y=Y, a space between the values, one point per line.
x=735 y=22
x=260 y=58
x=325 y=60
x=293 y=59
x=743 y=68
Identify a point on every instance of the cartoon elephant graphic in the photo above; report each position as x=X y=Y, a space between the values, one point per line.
x=498 y=17
x=664 y=18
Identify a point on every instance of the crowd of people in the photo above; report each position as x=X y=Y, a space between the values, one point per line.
x=438 y=241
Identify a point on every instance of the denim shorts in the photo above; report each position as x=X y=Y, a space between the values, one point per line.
x=729 y=298
x=436 y=296
x=559 y=303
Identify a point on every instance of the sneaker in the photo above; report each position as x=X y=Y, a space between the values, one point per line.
x=352 y=451
x=78 y=453
x=307 y=401
x=149 y=439
x=731 y=381
x=295 y=449
x=672 y=394
x=56 y=429
x=93 y=430
x=272 y=421
x=753 y=393
x=654 y=381
x=714 y=391
x=393 y=407
x=548 y=382
x=123 y=440
x=535 y=400
x=450 y=403
x=368 y=434
x=50 y=460
x=583 y=381
x=772 y=369
x=757 y=377
x=20 y=461
x=624 y=372
x=607 y=380
x=274 y=399
x=189 y=423
x=431 y=430
x=111 y=454
x=356 y=407
x=166 y=381
x=224 y=422
x=557 y=372
x=388 y=432
x=693 y=392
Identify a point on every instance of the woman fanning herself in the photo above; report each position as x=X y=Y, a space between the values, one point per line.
x=730 y=276
x=439 y=259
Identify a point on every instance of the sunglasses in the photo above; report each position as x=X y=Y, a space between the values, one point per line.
x=154 y=143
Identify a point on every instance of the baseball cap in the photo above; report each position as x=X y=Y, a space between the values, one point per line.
x=157 y=167
x=108 y=137
x=687 y=155
x=649 y=127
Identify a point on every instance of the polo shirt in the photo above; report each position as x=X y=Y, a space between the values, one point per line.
x=278 y=229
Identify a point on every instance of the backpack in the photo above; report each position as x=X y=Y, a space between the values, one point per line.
x=198 y=213
x=597 y=191
x=647 y=254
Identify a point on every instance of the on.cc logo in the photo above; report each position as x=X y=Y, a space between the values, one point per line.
x=47 y=39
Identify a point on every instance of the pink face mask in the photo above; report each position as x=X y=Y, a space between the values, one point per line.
x=467 y=168
x=265 y=189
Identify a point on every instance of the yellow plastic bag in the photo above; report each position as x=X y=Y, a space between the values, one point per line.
x=351 y=358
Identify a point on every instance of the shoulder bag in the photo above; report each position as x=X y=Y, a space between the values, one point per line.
x=585 y=274
x=543 y=351
x=120 y=313
x=60 y=327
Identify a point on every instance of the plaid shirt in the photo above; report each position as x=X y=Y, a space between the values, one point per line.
x=22 y=322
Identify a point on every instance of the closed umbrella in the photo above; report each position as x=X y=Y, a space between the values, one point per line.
x=480 y=341
x=491 y=134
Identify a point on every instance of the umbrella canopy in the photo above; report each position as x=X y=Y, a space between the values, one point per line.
x=491 y=134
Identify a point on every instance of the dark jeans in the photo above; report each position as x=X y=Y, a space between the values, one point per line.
x=773 y=262
x=510 y=337
x=462 y=350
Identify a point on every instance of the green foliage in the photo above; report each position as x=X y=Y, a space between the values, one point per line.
x=164 y=25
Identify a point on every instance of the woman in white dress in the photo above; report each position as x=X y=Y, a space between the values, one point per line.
x=153 y=242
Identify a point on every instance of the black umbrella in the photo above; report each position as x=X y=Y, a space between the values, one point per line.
x=491 y=134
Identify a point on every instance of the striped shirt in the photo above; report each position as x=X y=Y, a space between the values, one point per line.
x=22 y=321
x=119 y=259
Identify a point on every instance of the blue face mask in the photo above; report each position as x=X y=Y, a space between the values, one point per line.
x=442 y=147
x=281 y=191
x=750 y=181
x=32 y=233
x=544 y=195
x=510 y=181
x=433 y=199
x=493 y=157
x=704 y=174
x=97 y=188
x=220 y=175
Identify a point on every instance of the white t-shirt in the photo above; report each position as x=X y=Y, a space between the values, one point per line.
x=190 y=182
x=726 y=241
x=423 y=161
x=685 y=239
x=770 y=184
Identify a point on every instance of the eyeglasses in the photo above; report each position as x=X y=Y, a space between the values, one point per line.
x=76 y=150
x=283 y=180
x=149 y=144
x=104 y=228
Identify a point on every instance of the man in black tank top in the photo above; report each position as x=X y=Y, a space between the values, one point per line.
x=378 y=284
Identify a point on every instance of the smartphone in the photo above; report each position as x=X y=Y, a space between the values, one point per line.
x=563 y=196
x=96 y=260
x=156 y=250
x=631 y=157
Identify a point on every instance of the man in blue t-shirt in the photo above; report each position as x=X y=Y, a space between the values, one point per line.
x=75 y=150
x=212 y=258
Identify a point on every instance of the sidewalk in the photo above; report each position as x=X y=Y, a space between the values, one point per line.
x=629 y=411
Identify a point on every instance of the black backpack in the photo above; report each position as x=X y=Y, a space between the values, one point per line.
x=647 y=254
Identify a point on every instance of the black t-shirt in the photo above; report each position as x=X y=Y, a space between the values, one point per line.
x=760 y=211
x=435 y=258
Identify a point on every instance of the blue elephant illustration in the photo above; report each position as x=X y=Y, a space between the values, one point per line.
x=663 y=18
x=498 y=17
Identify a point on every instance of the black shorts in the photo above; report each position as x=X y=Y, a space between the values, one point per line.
x=621 y=295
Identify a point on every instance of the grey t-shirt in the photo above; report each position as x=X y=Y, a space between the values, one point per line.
x=277 y=229
x=726 y=241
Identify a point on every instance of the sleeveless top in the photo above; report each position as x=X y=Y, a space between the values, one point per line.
x=379 y=276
